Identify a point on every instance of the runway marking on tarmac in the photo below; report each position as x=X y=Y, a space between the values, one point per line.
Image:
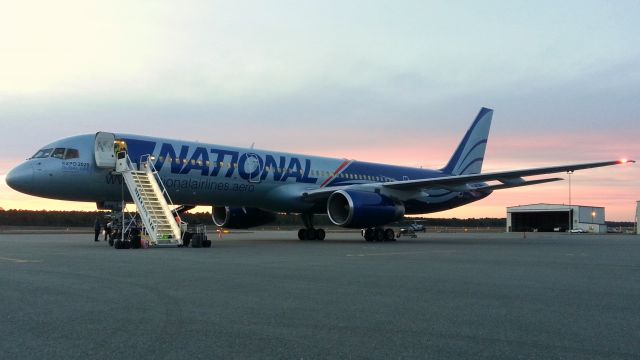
x=19 y=261
x=385 y=254
x=400 y=253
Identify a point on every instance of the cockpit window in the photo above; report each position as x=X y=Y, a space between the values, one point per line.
x=58 y=153
x=72 y=154
x=42 y=154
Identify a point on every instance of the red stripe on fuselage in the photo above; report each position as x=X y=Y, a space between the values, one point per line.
x=335 y=173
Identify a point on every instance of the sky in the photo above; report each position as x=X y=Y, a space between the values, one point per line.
x=393 y=82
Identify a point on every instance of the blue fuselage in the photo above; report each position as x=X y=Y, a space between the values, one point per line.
x=207 y=174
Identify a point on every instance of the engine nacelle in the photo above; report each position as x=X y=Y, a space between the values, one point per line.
x=362 y=209
x=240 y=218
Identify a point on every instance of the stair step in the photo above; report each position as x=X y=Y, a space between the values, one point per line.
x=151 y=198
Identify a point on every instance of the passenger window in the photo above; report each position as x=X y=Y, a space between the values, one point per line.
x=58 y=153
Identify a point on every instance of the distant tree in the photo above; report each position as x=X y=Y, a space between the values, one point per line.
x=86 y=219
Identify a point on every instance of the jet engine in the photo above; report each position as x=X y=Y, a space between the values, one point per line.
x=362 y=209
x=240 y=218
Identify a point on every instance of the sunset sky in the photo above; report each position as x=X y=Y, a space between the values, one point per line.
x=394 y=82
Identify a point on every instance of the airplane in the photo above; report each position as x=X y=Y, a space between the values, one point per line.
x=245 y=187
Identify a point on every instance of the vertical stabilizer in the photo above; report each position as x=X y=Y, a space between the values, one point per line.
x=468 y=157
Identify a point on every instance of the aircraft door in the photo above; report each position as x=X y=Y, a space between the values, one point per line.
x=104 y=150
x=254 y=168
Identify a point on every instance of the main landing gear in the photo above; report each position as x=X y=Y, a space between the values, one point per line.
x=378 y=234
x=309 y=232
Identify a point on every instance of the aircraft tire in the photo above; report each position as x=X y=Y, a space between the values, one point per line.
x=117 y=244
x=379 y=235
x=302 y=234
x=389 y=235
x=206 y=243
x=369 y=234
x=320 y=234
x=312 y=234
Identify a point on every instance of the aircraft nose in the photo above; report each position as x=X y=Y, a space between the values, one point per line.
x=20 y=178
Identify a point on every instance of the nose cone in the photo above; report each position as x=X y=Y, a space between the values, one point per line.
x=20 y=178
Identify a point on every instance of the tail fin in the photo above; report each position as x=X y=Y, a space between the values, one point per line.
x=468 y=157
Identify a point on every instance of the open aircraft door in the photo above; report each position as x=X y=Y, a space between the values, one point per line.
x=104 y=150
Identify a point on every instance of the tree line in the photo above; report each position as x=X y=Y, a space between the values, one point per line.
x=87 y=218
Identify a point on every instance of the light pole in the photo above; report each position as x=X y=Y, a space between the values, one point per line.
x=569 y=173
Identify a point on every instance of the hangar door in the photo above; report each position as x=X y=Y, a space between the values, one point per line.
x=543 y=221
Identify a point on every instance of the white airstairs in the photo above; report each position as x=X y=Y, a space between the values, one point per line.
x=152 y=200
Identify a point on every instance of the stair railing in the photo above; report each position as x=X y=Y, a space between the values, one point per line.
x=147 y=161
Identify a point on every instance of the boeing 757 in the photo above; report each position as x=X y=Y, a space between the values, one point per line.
x=246 y=187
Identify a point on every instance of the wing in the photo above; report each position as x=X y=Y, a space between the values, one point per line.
x=471 y=182
x=509 y=179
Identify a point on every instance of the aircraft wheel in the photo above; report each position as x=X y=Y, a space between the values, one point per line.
x=117 y=244
x=206 y=243
x=110 y=242
x=302 y=234
x=312 y=234
x=389 y=235
x=126 y=244
x=369 y=234
x=320 y=234
x=379 y=235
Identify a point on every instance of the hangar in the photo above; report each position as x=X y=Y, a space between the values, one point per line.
x=553 y=217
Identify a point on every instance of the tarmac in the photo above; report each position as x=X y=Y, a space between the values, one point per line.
x=269 y=295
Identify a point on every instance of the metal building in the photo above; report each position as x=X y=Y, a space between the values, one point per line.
x=552 y=217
